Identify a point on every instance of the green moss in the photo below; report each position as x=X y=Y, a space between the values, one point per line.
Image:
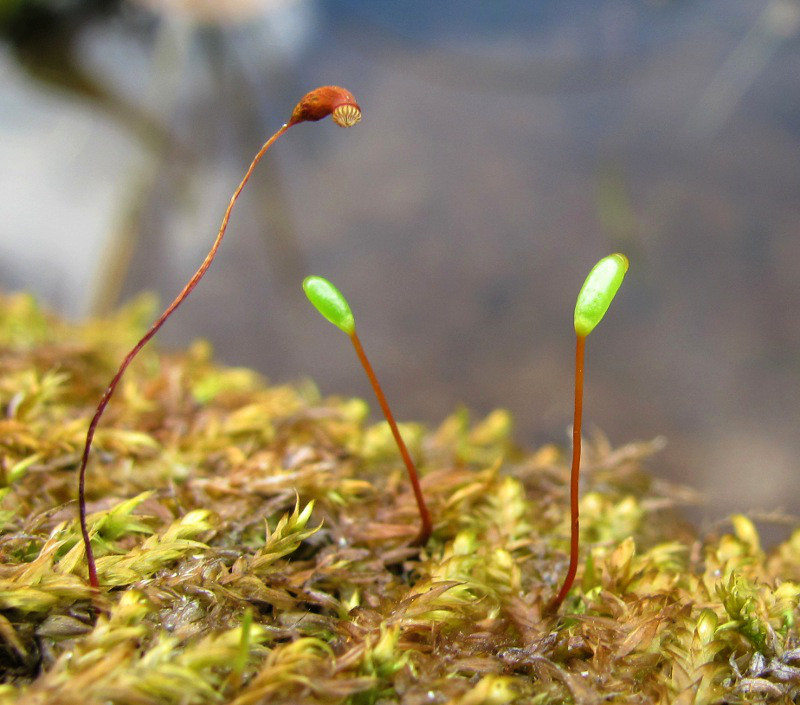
x=252 y=544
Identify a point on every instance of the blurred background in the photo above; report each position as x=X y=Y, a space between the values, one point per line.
x=505 y=147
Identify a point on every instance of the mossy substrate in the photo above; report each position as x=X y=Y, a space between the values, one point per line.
x=253 y=547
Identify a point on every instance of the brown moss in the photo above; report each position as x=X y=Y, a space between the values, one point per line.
x=252 y=544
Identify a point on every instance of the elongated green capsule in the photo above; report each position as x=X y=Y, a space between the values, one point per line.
x=329 y=301
x=598 y=291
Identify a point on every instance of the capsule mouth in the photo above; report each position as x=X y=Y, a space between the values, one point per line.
x=346 y=115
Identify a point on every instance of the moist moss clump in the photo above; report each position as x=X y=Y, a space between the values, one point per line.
x=252 y=547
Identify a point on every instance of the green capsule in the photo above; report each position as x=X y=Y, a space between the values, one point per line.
x=329 y=301
x=598 y=291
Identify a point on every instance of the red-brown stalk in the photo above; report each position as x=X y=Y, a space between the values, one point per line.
x=319 y=103
x=426 y=527
x=580 y=346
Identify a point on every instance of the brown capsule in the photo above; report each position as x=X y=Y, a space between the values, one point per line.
x=327 y=100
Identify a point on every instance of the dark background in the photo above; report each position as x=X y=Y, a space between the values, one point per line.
x=505 y=147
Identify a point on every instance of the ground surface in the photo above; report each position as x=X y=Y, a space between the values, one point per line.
x=253 y=547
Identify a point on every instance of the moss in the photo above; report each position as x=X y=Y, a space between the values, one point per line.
x=252 y=544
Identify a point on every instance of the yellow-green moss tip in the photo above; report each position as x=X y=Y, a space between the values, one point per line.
x=598 y=291
x=328 y=300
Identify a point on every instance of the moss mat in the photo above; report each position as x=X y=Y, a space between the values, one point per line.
x=253 y=547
